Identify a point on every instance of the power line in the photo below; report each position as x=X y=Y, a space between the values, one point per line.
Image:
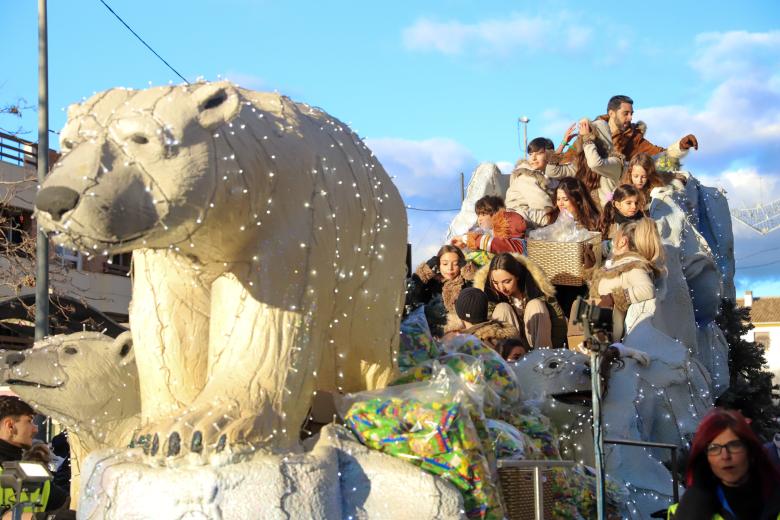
x=758 y=265
x=142 y=41
x=756 y=253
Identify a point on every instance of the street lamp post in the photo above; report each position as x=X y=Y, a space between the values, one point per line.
x=42 y=242
x=525 y=122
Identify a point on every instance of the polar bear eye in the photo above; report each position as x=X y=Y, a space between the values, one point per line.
x=71 y=350
x=552 y=364
x=67 y=144
x=139 y=139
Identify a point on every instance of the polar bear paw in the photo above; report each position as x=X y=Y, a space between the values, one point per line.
x=206 y=429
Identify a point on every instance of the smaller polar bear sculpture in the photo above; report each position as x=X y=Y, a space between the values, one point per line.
x=86 y=381
x=268 y=255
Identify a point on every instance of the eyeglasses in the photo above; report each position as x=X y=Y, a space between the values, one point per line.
x=735 y=446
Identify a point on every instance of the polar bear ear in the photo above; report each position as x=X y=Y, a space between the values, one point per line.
x=217 y=103
x=123 y=348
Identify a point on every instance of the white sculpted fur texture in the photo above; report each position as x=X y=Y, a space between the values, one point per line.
x=268 y=254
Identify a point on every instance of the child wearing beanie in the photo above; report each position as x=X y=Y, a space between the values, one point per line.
x=471 y=317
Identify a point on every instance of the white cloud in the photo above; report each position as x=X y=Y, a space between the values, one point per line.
x=736 y=53
x=429 y=168
x=426 y=233
x=427 y=173
x=745 y=187
x=506 y=167
x=740 y=121
x=497 y=35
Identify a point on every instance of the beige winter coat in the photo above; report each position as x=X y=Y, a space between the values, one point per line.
x=609 y=169
x=628 y=278
x=528 y=194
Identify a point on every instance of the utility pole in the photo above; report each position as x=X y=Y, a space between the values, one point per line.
x=42 y=242
x=525 y=122
x=462 y=187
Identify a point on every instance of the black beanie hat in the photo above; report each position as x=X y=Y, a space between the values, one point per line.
x=472 y=305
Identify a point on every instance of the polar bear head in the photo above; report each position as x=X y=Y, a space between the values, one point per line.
x=139 y=168
x=558 y=380
x=85 y=380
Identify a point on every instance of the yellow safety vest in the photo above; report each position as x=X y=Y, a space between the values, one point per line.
x=670 y=512
x=9 y=499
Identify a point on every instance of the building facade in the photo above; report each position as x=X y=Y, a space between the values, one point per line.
x=765 y=316
x=102 y=283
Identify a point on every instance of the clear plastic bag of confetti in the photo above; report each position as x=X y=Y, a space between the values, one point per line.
x=508 y=441
x=417 y=344
x=564 y=229
x=542 y=441
x=499 y=376
x=430 y=424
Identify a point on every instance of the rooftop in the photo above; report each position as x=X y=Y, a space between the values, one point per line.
x=763 y=310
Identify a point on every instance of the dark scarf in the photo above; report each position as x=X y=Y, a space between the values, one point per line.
x=745 y=501
x=621 y=219
x=9 y=452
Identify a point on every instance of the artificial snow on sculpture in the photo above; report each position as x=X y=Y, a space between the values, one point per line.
x=487 y=179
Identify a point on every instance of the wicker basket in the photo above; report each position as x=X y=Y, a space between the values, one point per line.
x=562 y=262
x=517 y=487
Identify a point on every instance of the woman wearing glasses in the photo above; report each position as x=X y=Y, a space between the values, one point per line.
x=729 y=476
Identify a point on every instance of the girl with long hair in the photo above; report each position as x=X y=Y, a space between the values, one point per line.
x=521 y=296
x=729 y=475
x=628 y=276
x=444 y=274
x=571 y=195
x=642 y=175
x=624 y=207
x=591 y=161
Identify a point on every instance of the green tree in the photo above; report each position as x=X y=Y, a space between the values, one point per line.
x=750 y=383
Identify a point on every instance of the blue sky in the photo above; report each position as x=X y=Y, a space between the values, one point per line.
x=437 y=87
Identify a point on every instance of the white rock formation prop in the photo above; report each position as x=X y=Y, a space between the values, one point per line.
x=268 y=255
x=694 y=283
x=338 y=478
x=486 y=179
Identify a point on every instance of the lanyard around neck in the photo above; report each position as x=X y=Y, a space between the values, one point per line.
x=724 y=502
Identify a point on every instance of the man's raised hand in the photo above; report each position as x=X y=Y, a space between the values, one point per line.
x=688 y=142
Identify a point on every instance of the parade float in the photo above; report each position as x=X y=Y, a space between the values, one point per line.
x=268 y=265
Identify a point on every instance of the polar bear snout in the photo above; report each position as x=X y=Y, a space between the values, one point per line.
x=56 y=201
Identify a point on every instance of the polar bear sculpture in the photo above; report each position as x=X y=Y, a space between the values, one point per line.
x=87 y=381
x=268 y=254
